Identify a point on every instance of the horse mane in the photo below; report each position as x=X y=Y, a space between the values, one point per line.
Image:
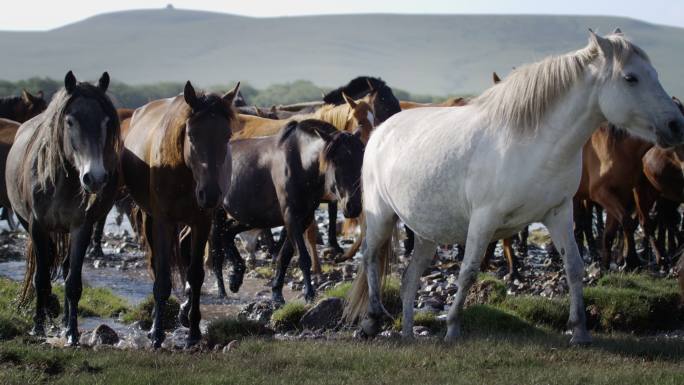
x=49 y=134
x=335 y=115
x=356 y=88
x=523 y=98
x=207 y=103
x=614 y=133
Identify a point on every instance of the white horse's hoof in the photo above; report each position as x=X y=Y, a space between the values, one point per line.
x=580 y=340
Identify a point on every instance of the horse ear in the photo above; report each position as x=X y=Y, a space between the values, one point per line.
x=258 y=111
x=274 y=109
x=40 y=94
x=103 y=83
x=617 y=31
x=189 y=95
x=678 y=103
x=601 y=43
x=496 y=78
x=229 y=97
x=349 y=101
x=26 y=96
x=70 y=82
x=370 y=85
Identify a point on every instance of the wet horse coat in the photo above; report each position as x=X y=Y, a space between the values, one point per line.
x=176 y=166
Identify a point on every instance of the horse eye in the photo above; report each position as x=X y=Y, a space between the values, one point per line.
x=629 y=78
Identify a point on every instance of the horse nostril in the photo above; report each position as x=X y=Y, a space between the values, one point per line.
x=87 y=179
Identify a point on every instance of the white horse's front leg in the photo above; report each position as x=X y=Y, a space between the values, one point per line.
x=560 y=225
x=480 y=230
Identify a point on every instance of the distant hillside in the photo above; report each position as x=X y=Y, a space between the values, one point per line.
x=428 y=54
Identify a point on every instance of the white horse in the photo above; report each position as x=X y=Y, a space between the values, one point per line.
x=511 y=157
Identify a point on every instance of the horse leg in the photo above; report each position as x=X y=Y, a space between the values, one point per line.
x=480 y=231
x=79 y=238
x=628 y=228
x=489 y=253
x=559 y=223
x=42 y=250
x=296 y=231
x=579 y=216
x=332 y=229
x=522 y=246
x=607 y=242
x=510 y=258
x=163 y=237
x=422 y=256
x=379 y=227
x=195 y=277
x=408 y=242
x=95 y=251
x=218 y=249
x=311 y=235
x=284 y=257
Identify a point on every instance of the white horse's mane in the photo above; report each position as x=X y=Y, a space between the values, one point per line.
x=521 y=101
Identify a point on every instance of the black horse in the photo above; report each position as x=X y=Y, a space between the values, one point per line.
x=22 y=108
x=385 y=104
x=279 y=181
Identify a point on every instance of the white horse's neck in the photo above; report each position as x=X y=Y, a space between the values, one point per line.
x=571 y=123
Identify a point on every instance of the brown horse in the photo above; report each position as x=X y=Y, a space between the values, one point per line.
x=451 y=102
x=61 y=176
x=176 y=166
x=611 y=170
x=22 y=108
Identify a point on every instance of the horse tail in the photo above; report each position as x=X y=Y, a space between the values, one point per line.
x=59 y=253
x=357 y=300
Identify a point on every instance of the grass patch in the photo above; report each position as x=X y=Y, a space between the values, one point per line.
x=14 y=321
x=489 y=320
x=619 y=302
x=222 y=331
x=423 y=318
x=289 y=316
x=265 y=272
x=338 y=291
x=475 y=360
x=143 y=313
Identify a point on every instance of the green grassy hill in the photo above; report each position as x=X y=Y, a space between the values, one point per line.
x=428 y=54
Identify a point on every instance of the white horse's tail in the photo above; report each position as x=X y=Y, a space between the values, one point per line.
x=356 y=305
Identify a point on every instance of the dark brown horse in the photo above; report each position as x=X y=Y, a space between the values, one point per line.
x=385 y=104
x=8 y=129
x=22 y=108
x=279 y=181
x=176 y=166
x=62 y=174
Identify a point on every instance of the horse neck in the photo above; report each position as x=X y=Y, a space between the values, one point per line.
x=7 y=108
x=173 y=142
x=571 y=123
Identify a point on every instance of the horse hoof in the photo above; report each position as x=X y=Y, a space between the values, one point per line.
x=191 y=342
x=96 y=253
x=183 y=318
x=235 y=280
x=278 y=299
x=72 y=340
x=580 y=340
x=371 y=327
x=37 y=331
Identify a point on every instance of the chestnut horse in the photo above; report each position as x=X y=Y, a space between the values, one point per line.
x=279 y=181
x=61 y=176
x=176 y=166
x=611 y=170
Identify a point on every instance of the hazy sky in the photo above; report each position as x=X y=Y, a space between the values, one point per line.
x=47 y=14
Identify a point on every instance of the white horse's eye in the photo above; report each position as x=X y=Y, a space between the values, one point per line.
x=631 y=79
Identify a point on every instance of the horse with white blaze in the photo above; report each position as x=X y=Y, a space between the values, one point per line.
x=509 y=158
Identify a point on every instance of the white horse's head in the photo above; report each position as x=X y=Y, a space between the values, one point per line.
x=630 y=94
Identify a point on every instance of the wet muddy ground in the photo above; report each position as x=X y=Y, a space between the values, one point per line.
x=123 y=270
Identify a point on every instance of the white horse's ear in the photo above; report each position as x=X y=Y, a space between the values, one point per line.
x=601 y=43
x=617 y=31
